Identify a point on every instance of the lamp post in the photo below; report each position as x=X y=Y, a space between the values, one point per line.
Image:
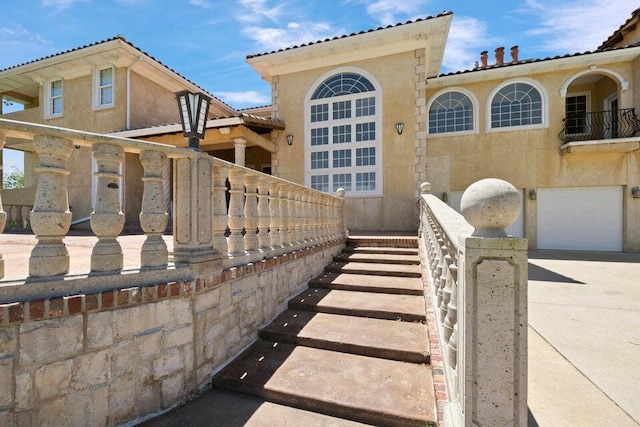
x=194 y=108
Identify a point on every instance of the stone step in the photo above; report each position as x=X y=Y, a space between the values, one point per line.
x=378 y=258
x=360 y=388
x=409 y=308
x=387 y=339
x=380 y=250
x=217 y=407
x=374 y=269
x=383 y=241
x=366 y=283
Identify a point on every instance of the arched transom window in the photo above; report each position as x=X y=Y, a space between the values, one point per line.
x=343 y=136
x=517 y=104
x=451 y=112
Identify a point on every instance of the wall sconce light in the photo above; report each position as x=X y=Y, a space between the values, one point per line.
x=290 y=139
x=445 y=197
x=532 y=194
x=635 y=192
x=400 y=127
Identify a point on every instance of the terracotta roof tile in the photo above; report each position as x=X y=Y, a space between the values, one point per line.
x=617 y=33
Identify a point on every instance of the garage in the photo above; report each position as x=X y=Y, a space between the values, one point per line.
x=586 y=218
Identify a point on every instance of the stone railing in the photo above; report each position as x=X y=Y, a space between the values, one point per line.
x=18 y=217
x=115 y=345
x=478 y=282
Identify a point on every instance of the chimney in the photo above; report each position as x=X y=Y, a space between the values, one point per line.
x=483 y=58
x=514 y=54
x=499 y=56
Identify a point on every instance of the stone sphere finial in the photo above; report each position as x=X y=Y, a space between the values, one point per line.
x=340 y=192
x=490 y=205
x=425 y=188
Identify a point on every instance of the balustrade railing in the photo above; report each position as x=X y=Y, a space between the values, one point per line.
x=478 y=283
x=611 y=124
x=265 y=216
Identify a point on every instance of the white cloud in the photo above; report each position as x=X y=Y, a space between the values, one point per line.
x=575 y=25
x=293 y=35
x=248 y=97
x=386 y=11
x=257 y=10
x=201 y=3
x=467 y=38
x=60 y=4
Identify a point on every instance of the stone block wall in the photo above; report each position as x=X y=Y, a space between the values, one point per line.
x=110 y=357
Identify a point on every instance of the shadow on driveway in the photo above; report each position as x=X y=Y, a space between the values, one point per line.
x=543 y=275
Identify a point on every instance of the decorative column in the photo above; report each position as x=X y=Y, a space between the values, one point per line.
x=220 y=213
x=284 y=215
x=236 y=211
x=275 y=238
x=107 y=219
x=50 y=218
x=263 y=213
x=251 y=213
x=3 y=215
x=239 y=145
x=153 y=216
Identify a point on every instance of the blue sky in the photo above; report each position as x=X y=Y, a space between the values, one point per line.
x=207 y=40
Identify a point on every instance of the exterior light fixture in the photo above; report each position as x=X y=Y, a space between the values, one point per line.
x=194 y=108
x=399 y=127
x=290 y=139
x=445 y=197
x=532 y=194
x=635 y=192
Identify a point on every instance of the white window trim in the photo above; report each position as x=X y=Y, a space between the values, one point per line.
x=572 y=94
x=545 y=106
x=96 y=88
x=377 y=118
x=474 y=104
x=48 y=114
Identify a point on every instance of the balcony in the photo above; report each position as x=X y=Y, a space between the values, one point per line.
x=612 y=130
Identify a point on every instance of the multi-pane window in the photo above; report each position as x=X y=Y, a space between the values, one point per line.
x=55 y=98
x=343 y=135
x=576 y=114
x=105 y=87
x=516 y=104
x=451 y=112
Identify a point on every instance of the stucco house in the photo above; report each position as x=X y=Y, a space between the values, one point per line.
x=371 y=113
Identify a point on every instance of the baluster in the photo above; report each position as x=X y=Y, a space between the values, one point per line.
x=284 y=215
x=452 y=307
x=251 y=213
x=236 y=210
x=153 y=213
x=291 y=203
x=342 y=225
x=298 y=204
x=275 y=238
x=3 y=215
x=220 y=213
x=315 y=218
x=24 y=215
x=8 y=217
x=263 y=213
x=51 y=219
x=326 y=221
x=304 y=216
x=15 y=217
x=446 y=284
x=107 y=219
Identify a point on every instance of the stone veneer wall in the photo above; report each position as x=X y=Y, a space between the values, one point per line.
x=115 y=356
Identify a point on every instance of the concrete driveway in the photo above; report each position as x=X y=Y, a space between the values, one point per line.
x=584 y=338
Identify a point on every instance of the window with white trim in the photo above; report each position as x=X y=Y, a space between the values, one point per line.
x=343 y=135
x=517 y=104
x=576 y=109
x=103 y=87
x=54 y=99
x=451 y=112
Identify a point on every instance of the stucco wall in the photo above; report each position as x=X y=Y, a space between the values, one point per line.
x=151 y=104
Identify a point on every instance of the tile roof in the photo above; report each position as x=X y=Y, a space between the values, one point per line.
x=445 y=13
x=531 y=61
x=617 y=34
x=122 y=38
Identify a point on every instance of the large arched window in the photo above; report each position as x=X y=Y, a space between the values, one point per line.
x=343 y=135
x=517 y=104
x=451 y=111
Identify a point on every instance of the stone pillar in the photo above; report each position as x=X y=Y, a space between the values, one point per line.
x=220 y=213
x=240 y=145
x=275 y=238
x=236 y=211
x=50 y=218
x=251 y=213
x=263 y=213
x=107 y=219
x=3 y=215
x=492 y=308
x=153 y=216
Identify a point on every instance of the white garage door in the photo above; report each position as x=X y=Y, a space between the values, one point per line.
x=588 y=218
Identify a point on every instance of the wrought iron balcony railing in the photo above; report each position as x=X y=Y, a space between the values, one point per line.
x=612 y=124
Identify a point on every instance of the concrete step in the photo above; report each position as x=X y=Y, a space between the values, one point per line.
x=374 y=269
x=387 y=339
x=360 y=388
x=384 y=241
x=380 y=250
x=366 y=283
x=217 y=407
x=409 y=308
x=378 y=258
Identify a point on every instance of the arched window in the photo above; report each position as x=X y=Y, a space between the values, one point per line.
x=343 y=135
x=451 y=112
x=517 y=104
